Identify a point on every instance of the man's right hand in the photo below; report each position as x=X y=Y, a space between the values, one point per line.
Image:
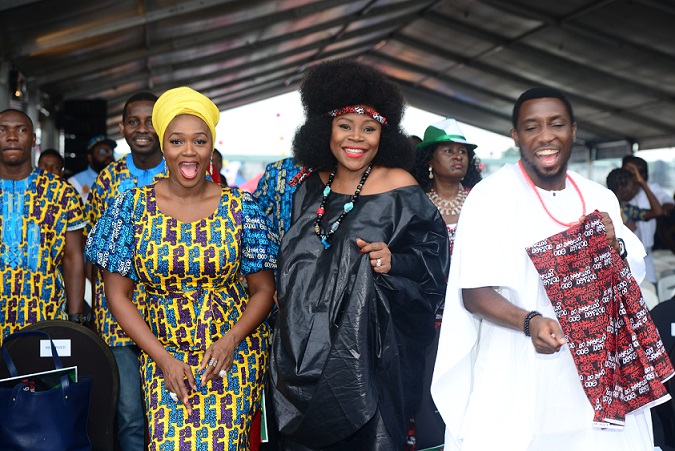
x=547 y=337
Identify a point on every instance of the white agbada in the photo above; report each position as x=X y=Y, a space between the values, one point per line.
x=491 y=387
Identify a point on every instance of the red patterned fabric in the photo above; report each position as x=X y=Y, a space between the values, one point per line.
x=254 y=436
x=358 y=109
x=215 y=175
x=618 y=352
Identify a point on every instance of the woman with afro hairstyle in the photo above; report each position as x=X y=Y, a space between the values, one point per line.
x=362 y=270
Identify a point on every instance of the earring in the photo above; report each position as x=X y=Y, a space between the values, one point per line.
x=431 y=172
x=211 y=166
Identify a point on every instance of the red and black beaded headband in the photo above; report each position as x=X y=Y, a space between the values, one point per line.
x=359 y=110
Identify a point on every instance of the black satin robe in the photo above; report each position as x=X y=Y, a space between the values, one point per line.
x=349 y=343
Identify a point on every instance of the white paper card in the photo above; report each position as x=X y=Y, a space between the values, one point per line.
x=46 y=379
x=672 y=329
x=62 y=348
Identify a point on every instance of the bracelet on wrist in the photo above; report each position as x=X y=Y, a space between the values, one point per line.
x=528 y=318
x=79 y=318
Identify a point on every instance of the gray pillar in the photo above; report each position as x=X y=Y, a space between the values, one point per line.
x=4 y=84
x=50 y=135
x=31 y=104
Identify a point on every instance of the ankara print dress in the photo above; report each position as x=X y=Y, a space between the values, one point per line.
x=113 y=180
x=193 y=297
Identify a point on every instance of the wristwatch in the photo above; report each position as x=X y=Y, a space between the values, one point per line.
x=623 y=253
x=79 y=318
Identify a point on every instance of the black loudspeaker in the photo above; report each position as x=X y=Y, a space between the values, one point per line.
x=80 y=121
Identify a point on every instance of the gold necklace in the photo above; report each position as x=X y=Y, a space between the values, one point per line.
x=448 y=207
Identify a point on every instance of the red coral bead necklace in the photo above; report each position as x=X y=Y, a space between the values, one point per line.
x=536 y=191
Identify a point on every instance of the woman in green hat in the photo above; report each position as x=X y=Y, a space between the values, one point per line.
x=446 y=169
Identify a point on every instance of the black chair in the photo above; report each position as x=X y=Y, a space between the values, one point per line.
x=91 y=356
x=663 y=315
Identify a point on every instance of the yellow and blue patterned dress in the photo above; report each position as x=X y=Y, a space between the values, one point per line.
x=194 y=295
x=113 y=180
x=35 y=214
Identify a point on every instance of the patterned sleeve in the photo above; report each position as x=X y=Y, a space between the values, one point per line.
x=76 y=219
x=92 y=207
x=633 y=213
x=110 y=245
x=266 y=189
x=260 y=244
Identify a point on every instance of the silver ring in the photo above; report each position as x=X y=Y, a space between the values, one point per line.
x=378 y=263
x=173 y=396
x=222 y=373
x=213 y=362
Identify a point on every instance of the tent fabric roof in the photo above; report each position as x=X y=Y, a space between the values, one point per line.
x=468 y=59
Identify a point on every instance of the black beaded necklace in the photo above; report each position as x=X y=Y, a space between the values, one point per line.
x=322 y=234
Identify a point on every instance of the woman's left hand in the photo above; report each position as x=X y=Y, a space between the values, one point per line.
x=379 y=253
x=218 y=358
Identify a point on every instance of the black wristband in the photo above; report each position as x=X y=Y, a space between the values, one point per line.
x=528 y=318
x=79 y=318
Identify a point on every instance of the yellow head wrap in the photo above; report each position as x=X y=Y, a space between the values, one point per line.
x=183 y=100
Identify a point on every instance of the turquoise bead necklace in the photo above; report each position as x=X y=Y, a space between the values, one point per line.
x=349 y=206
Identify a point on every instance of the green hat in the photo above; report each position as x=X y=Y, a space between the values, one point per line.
x=445 y=131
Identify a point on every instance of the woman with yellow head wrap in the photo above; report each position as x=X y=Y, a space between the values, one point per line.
x=187 y=239
x=184 y=100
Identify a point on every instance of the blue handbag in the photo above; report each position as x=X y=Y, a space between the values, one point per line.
x=53 y=419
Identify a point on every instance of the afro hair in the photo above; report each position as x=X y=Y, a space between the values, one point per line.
x=338 y=83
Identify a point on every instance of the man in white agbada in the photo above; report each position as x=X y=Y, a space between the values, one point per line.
x=495 y=387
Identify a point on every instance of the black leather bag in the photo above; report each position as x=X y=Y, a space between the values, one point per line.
x=54 y=419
